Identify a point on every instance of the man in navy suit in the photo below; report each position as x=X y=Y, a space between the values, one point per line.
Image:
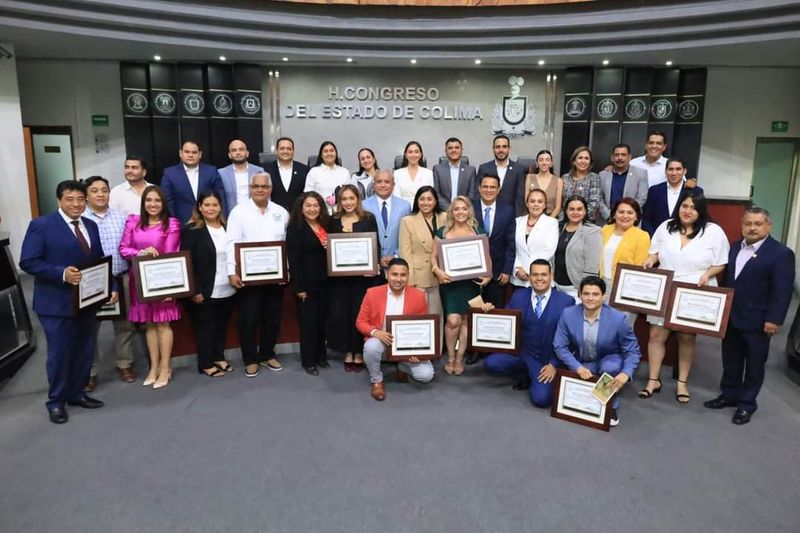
x=512 y=175
x=236 y=176
x=388 y=209
x=288 y=176
x=184 y=181
x=541 y=306
x=454 y=178
x=593 y=338
x=54 y=248
x=663 y=199
x=761 y=270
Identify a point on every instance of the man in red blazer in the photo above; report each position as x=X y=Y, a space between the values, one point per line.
x=394 y=298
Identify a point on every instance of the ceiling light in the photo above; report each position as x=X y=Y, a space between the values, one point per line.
x=284 y=59
x=223 y=58
x=478 y=61
x=157 y=58
x=541 y=62
x=413 y=61
x=606 y=62
x=668 y=63
x=349 y=59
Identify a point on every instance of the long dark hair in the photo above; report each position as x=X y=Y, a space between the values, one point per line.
x=359 y=210
x=296 y=217
x=426 y=188
x=700 y=205
x=358 y=156
x=421 y=155
x=163 y=217
x=197 y=221
x=535 y=168
x=319 y=155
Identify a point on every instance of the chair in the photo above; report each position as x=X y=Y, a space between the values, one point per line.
x=265 y=158
x=398 y=162
x=527 y=162
x=312 y=161
x=443 y=159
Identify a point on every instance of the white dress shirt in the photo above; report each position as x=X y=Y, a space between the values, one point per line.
x=194 y=178
x=656 y=173
x=454 y=172
x=406 y=188
x=747 y=252
x=247 y=223
x=394 y=304
x=501 y=171
x=672 y=197
x=126 y=200
x=286 y=175
x=222 y=287
x=242 y=180
x=324 y=181
x=81 y=226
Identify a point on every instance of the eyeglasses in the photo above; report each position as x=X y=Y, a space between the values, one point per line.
x=260 y=187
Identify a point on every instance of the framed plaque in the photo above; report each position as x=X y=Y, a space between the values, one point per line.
x=414 y=336
x=353 y=254
x=116 y=310
x=574 y=401
x=465 y=257
x=701 y=310
x=165 y=276
x=261 y=263
x=95 y=285
x=499 y=330
x=641 y=290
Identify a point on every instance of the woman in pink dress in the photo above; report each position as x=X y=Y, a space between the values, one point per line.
x=153 y=232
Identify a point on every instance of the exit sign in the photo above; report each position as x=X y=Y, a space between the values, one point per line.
x=780 y=126
x=99 y=120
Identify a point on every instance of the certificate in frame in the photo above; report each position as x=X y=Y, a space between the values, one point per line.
x=498 y=330
x=261 y=263
x=574 y=402
x=414 y=336
x=465 y=257
x=700 y=310
x=641 y=290
x=165 y=276
x=116 y=310
x=353 y=254
x=95 y=285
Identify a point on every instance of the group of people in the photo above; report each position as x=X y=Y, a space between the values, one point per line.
x=547 y=254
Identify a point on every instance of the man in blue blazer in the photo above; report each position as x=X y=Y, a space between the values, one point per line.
x=288 y=176
x=512 y=183
x=761 y=270
x=664 y=199
x=388 y=215
x=593 y=338
x=236 y=176
x=184 y=181
x=541 y=306
x=54 y=248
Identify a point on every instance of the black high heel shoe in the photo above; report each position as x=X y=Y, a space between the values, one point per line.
x=683 y=398
x=644 y=393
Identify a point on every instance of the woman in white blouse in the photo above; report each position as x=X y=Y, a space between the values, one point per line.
x=696 y=250
x=327 y=175
x=367 y=168
x=411 y=175
x=536 y=237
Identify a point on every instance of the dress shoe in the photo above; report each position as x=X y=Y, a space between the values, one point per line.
x=312 y=370
x=719 y=403
x=58 y=415
x=87 y=402
x=324 y=364
x=91 y=384
x=127 y=374
x=472 y=358
x=523 y=384
x=378 y=392
x=164 y=377
x=741 y=417
x=150 y=379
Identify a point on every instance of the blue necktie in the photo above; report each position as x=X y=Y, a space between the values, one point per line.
x=385 y=215
x=487 y=220
x=538 y=309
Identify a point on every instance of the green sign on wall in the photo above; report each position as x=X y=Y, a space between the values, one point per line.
x=99 y=120
x=780 y=126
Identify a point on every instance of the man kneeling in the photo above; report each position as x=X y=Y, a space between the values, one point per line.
x=394 y=298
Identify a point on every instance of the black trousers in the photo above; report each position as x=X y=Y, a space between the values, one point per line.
x=744 y=356
x=210 y=322
x=260 y=310
x=495 y=293
x=312 y=314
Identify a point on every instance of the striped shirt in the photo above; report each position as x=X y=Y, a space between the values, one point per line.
x=110 y=224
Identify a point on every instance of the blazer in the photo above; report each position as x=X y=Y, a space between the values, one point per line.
x=416 y=246
x=372 y=313
x=308 y=259
x=467 y=183
x=180 y=198
x=280 y=195
x=513 y=190
x=501 y=240
x=583 y=253
x=656 y=210
x=540 y=244
x=633 y=249
x=204 y=258
x=538 y=333
x=614 y=337
x=50 y=246
x=636 y=187
x=228 y=177
x=764 y=288
x=388 y=235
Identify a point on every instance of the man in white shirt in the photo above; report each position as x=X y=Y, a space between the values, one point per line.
x=127 y=197
x=653 y=161
x=236 y=176
x=512 y=176
x=257 y=220
x=388 y=209
x=454 y=178
x=289 y=175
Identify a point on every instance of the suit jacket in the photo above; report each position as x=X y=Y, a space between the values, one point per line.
x=636 y=187
x=180 y=198
x=501 y=240
x=614 y=336
x=416 y=247
x=280 y=195
x=764 y=287
x=583 y=253
x=228 y=177
x=467 y=183
x=388 y=235
x=513 y=190
x=538 y=333
x=204 y=258
x=656 y=210
x=372 y=313
x=308 y=259
x=633 y=249
x=50 y=246
x=540 y=244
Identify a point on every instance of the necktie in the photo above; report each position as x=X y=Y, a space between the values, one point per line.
x=538 y=309
x=487 y=220
x=385 y=215
x=81 y=238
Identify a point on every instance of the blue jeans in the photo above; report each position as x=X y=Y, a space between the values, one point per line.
x=611 y=363
x=513 y=365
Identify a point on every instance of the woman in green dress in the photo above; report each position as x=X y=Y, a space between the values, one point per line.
x=460 y=222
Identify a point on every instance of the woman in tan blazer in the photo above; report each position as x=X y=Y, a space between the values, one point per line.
x=416 y=244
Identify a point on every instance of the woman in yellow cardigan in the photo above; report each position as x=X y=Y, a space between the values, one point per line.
x=623 y=242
